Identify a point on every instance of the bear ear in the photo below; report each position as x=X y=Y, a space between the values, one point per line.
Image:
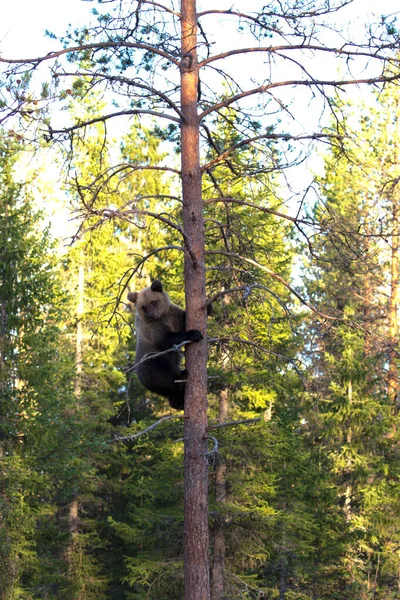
x=133 y=296
x=156 y=286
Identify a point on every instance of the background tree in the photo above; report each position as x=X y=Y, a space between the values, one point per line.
x=153 y=70
x=352 y=355
x=36 y=392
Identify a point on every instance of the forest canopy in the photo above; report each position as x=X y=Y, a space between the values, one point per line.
x=247 y=156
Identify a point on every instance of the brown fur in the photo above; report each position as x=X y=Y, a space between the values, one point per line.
x=159 y=326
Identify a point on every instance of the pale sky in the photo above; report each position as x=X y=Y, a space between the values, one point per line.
x=23 y=22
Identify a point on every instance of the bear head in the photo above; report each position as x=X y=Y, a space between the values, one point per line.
x=152 y=303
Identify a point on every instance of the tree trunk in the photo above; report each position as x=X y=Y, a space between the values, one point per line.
x=196 y=577
x=283 y=570
x=3 y=322
x=348 y=494
x=73 y=515
x=393 y=375
x=73 y=512
x=3 y=317
x=219 y=547
x=79 y=326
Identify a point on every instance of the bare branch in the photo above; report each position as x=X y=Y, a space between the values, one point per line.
x=246 y=289
x=301 y=82
x=105 y=177
x=304 y=14
x=96 y=46
x=152 y=355
x=134 y=436
x=238 y=340
x=269 y=136
x=162 y=7
x=107 y=213
x=214 y=450
x=133 y=83
x=261 y=209
x=278 y=278
x=313 y=48
x=214 y=145
x=104 y=118
x=233 y=423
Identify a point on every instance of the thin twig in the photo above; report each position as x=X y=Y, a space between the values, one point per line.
x=152 y=355
x=261 y=209
x=233 y=423
x=278 y=278
x=129 y=438
x=95 y=46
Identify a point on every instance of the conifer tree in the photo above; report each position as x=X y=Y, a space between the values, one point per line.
x=167 y=61
x=349 y=350
x=36 y=394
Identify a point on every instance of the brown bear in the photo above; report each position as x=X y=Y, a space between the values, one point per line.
x=160 y=325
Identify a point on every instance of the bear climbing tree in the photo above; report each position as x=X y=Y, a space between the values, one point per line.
x=160 y=328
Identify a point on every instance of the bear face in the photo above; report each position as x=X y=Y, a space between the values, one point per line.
x=152 y=303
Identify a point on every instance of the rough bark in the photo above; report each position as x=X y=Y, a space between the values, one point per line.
x=196 y=573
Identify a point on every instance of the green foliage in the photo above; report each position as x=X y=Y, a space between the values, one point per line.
x=35 y=384
x=18 y=486
x=349 y=413
x=310 y=498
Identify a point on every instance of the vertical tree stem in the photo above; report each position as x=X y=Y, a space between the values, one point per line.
x=80 y=309
x=393 y=375
x=197 y=586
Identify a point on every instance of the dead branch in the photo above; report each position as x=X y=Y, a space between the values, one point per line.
x=233 y=423
x=261 y=209
x=278 y=278
x=268 y=136
x=247 y=290
x=107 y=213
x=106 y=176
x=300 y=82
x=304 y=14
x=133 y=83
x=152 y=355
x=162 y=7
x=104 y=179
x=95 y=46
x=311 y=47
x=134 y=436
x=105 y=118
x=238 y=340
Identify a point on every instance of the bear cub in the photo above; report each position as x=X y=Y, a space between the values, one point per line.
x=159 y=326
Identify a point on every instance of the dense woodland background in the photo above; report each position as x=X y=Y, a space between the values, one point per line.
x=303 y=383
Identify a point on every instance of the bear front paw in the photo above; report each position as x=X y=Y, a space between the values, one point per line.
x=195 y=335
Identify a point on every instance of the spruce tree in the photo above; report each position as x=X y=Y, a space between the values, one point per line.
x=351 y=400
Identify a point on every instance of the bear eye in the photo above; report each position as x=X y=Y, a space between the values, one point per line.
x=154 y=303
